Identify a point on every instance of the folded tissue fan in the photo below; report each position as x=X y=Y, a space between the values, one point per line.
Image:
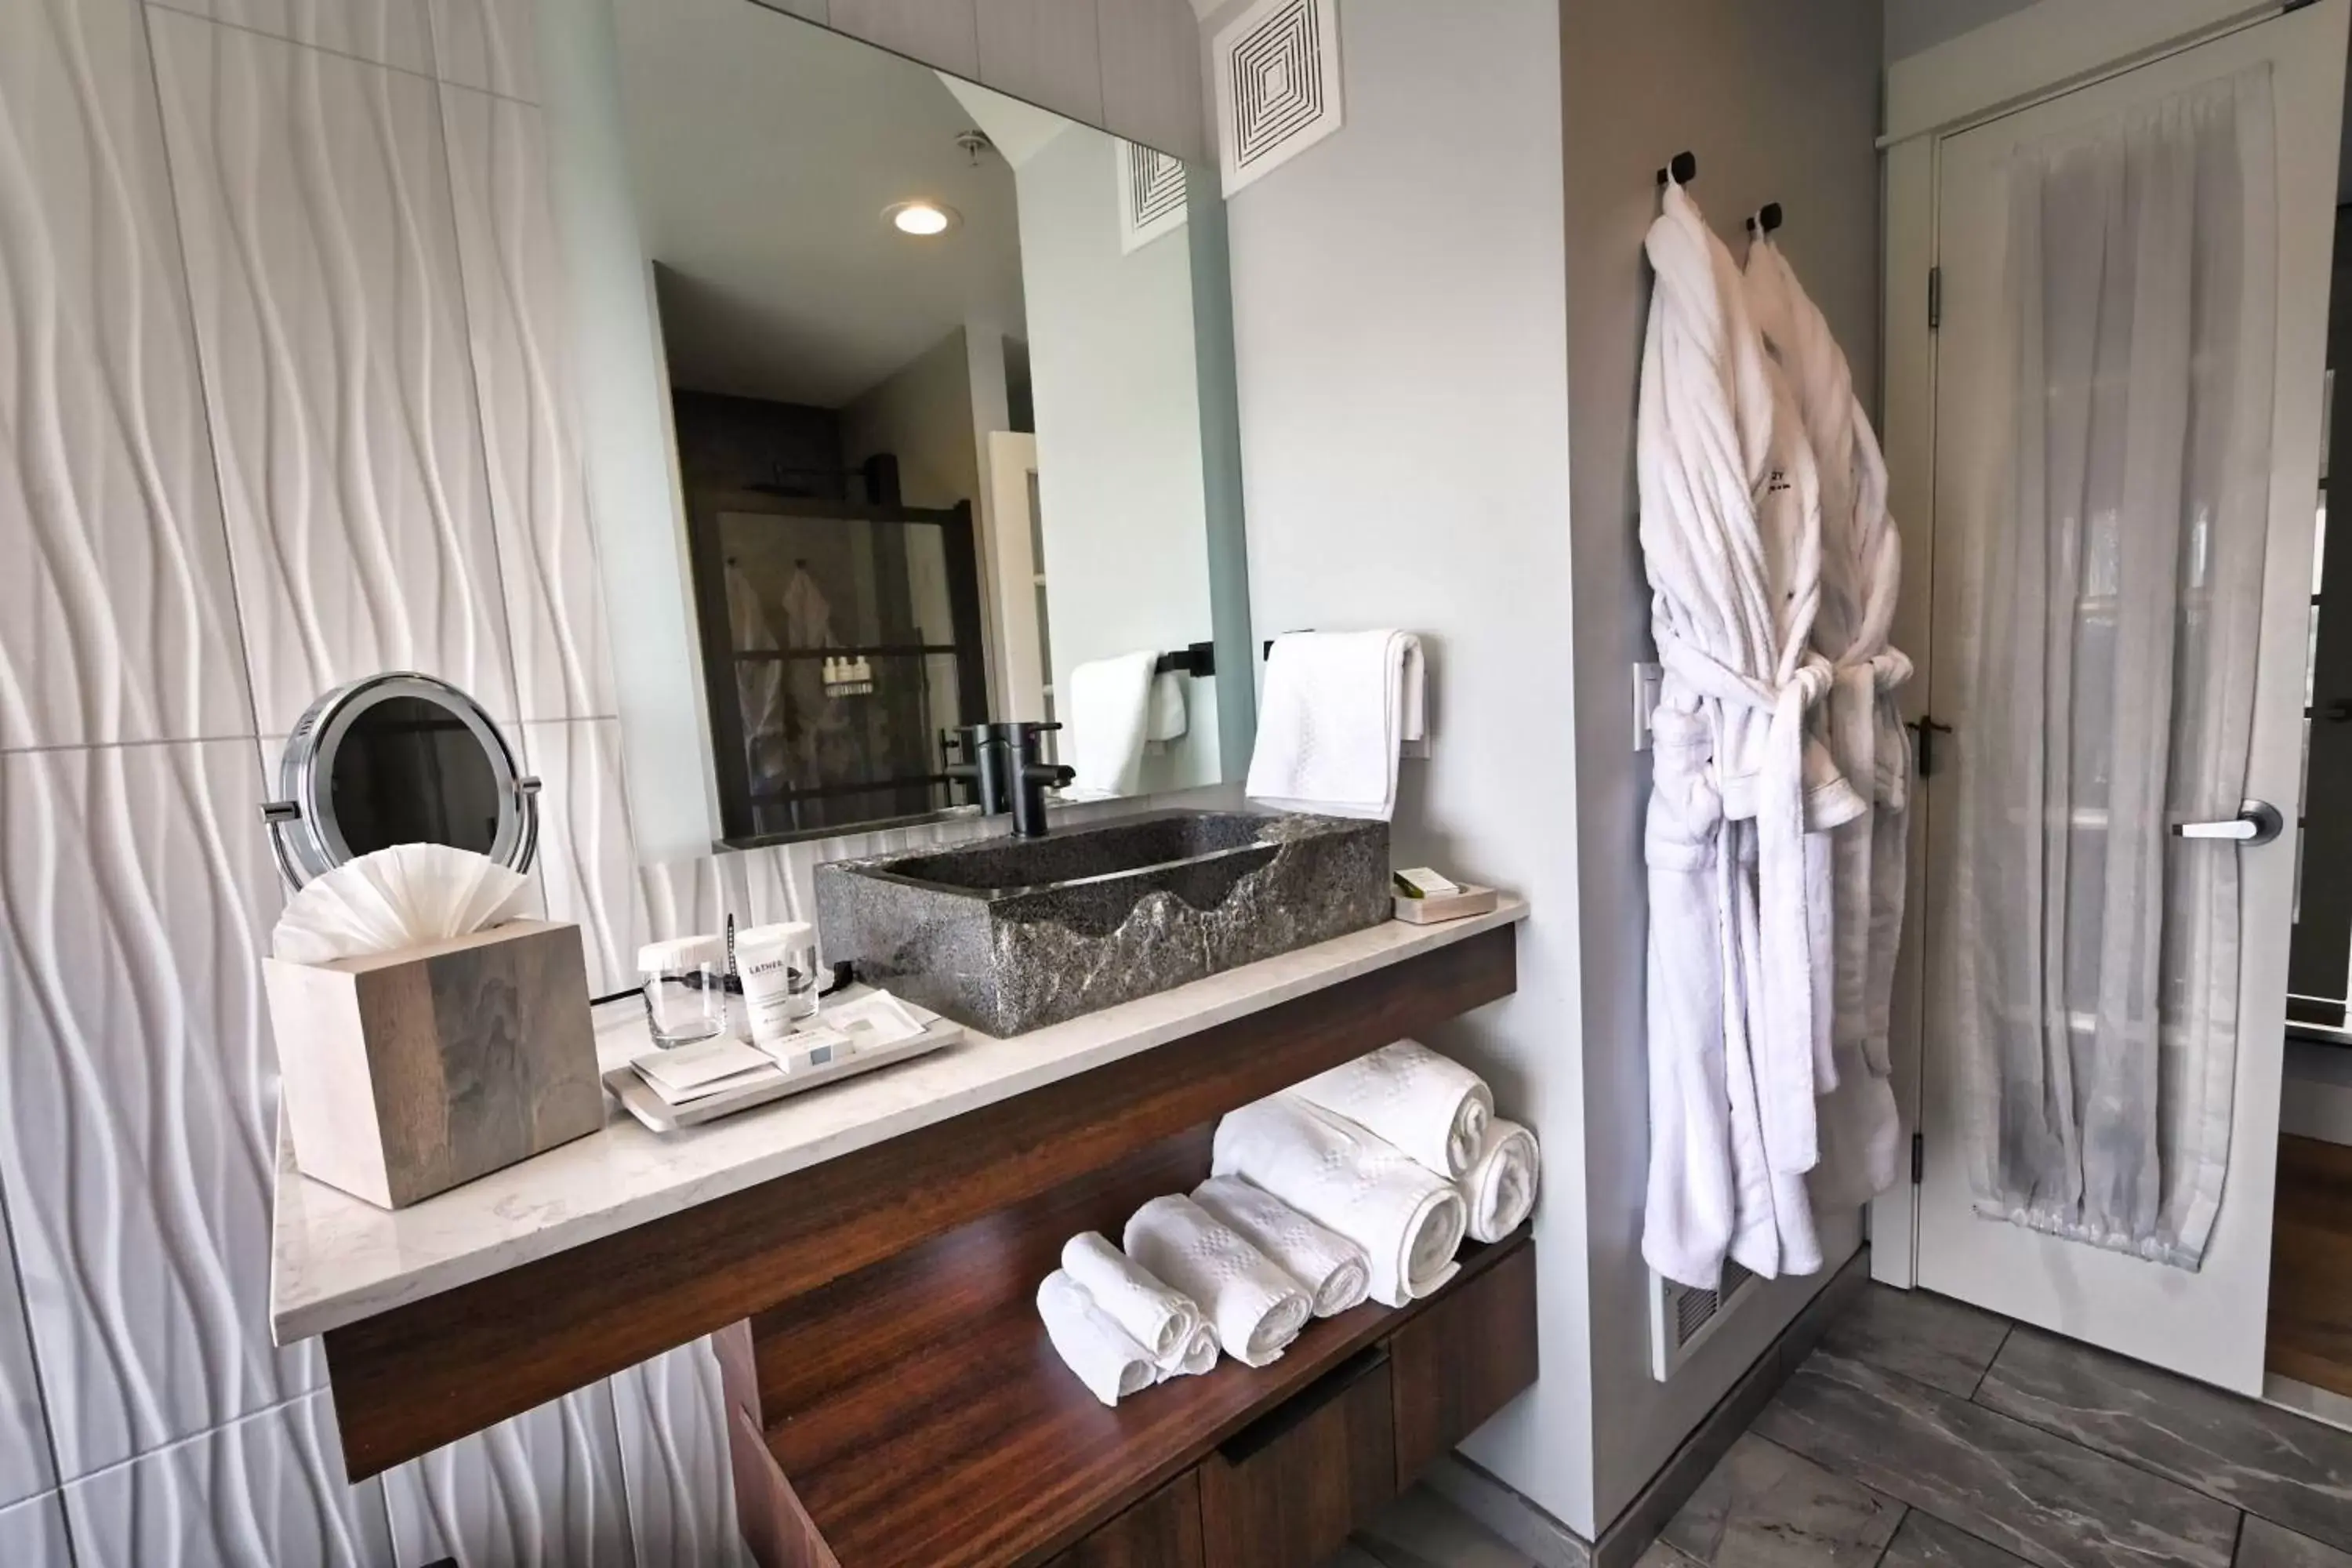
x=426 y=1035
x=407 y=896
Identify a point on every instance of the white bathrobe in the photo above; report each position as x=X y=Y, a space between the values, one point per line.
x=1731 y=542
x=1862 y=573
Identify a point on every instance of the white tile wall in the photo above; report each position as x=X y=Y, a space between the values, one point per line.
x=323 y=260
x=116 y=622
x=542 y=1491
x=487 y=43
x=138 y=1089
x=672 y=1415
x=514 y=307
x=33 y=1534
x=388 y=32
x=268 y=1489
x=587 y=862
x=26 y=1467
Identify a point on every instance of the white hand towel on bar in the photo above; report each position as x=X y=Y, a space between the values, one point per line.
x=1160 y=1320
x=1432 y=1107
x=1109 y=709
x=1338 y=705
x=1500 y=1185
x=1200 y=1355
x=1332 y=1267
x=1256 y=1309
x=1408 y=1219
x=1168 y=721
x=1100 y=1352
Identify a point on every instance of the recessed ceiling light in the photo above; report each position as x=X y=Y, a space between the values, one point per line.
x=921 y=217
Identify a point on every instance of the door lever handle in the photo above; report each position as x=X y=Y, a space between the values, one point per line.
x=2257 y=822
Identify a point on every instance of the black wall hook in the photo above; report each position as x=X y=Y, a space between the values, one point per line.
x=1768 y=217
x=1683 y=168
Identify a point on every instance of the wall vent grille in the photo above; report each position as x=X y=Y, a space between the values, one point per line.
x=1150 y=196
x=1277 y=84
x=1681 y=1318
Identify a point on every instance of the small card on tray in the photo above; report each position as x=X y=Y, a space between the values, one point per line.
x=697 y=1071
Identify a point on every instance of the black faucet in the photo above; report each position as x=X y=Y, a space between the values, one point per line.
x=985 y=769
x=1028 y=776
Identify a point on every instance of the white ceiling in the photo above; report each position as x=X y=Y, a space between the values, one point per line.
x=763 y=151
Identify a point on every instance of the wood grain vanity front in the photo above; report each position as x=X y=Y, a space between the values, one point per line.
x=416 y=1376
x=1288 y=1490
x=1462 y=1360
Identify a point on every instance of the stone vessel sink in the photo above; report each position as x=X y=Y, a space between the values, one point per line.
x=1010 y=934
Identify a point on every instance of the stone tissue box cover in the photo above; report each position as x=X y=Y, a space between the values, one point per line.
x=409 y=1073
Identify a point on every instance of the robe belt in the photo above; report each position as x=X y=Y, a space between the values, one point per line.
x=1795 y=790
x=1872 y=681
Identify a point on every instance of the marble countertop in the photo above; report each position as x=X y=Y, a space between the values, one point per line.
x=336 y=1259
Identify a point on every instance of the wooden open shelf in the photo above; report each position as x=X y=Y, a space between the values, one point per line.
x=416 y=1376
x=920 y=1416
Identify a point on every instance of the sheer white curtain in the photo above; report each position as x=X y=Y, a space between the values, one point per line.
x=2113 y=683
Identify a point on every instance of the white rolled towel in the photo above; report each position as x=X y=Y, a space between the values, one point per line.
x=1432 y=1107
x=1200 y=1355
x=1105 y=1357
x=1256 y=1307
x=1332 y=1267
x=1500 y=1185
x=1408 y=1219
x=1160 y=1320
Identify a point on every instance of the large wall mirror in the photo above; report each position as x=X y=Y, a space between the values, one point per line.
x=935 y=361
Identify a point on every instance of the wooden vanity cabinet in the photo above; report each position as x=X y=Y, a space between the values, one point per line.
x=1289 y=1489
x=1164 y=1531
x=1464 y=1359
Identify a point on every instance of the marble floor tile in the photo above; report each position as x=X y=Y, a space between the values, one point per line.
x=2266 y=1545
x=1930 y=1339
x=1422 y=1529
x=1661 y=1555
x=1923 y=1540
x=2041 y=1497
x=2269 y=1462
x=1764 y=1506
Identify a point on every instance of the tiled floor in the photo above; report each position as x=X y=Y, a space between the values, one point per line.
x=1924 y=1434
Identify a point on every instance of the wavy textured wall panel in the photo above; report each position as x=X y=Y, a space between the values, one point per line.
x=322 y=260
x=35 y=1532
x=522 y=374
x=542 y=1491
x=388 y=32
x=116 y=618
x=673 y=1423
x=696 y=894
x=588 y=862
x=487 y=43
x=138 y=1090
x=267 y=1489
x=26 y=1467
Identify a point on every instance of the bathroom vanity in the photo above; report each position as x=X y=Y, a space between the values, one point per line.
x=868 y=1254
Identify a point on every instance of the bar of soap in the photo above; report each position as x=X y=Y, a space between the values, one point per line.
x=1421 y=882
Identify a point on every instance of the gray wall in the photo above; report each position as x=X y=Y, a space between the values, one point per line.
x=1778 y=103
x=1402 y=358
x=1916 y=24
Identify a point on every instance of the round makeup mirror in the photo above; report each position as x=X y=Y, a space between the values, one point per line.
x=398 y=758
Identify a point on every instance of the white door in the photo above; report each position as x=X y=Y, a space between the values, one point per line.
x=2207 y=1323
x=1025 y=680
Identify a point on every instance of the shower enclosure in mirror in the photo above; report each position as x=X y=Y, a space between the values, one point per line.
x=936 y=395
